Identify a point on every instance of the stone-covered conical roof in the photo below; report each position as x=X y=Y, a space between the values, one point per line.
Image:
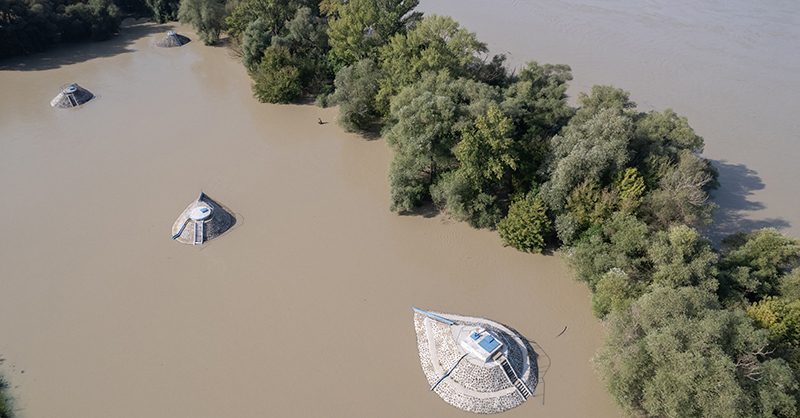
x=216 y=219
x=484 y=382
x=71 y=95
x=172 y=40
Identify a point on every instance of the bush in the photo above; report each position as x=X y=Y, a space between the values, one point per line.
x=205 y=16
x=356 y=87
x=6 y=407
x=276 y=79
x=255 y=40
x=465 y=202
x=526 y=227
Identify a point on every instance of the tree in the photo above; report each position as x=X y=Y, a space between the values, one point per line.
x=676 y=353
x=681 y=257
x=527 y=226
x=205 y=16
x=305 y=34
x=356 y=87
x=96 y=19
x=164 y=10
x=621 y=243
x=589 y=205
x=425 y=123
x=779 y=317
x=436 y=44
x=274 y=15
x=682 y=194
x=592 y=150
x=6 y=401
x=659 y=139
x=538 y=100
x=277 y=79
x=466 y=202
x=614 y=293
x=486 y=155
x=255 y=40
x=602 y=97
x=753 y=265
x=362 y=26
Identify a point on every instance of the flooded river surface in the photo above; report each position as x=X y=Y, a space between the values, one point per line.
x=303 y=309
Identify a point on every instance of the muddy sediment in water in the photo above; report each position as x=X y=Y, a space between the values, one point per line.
x=300 y=309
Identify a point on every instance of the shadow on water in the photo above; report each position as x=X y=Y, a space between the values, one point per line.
x=427 y=210
x=542 y=366
x=73 y=53
x=733 y=197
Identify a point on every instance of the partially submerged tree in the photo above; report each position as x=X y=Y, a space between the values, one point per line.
x=356 y=87
x=360 y=27
x=205 y=16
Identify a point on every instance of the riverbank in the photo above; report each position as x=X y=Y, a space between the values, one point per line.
x=106 y=310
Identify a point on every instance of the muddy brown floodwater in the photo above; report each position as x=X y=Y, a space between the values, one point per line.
x=302 y=309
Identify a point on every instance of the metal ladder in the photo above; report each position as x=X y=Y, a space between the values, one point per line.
x=198 y=233
x=513 y=378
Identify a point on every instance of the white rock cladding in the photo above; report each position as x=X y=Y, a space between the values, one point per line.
x=483 y=389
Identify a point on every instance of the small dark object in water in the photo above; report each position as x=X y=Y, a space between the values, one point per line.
x=562 y=332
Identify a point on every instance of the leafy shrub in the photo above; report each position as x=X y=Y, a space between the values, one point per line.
x=276 y=79
x=527 y=226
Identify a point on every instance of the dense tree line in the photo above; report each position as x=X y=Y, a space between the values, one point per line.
x=28 y=26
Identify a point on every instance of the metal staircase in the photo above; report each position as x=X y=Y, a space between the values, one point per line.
x=513 y=378
x=198 y=233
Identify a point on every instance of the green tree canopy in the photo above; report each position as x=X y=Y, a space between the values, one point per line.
x=593 y=150
x=602 y=97
x=255 y=40
x=538 y=100
x=205 y=16
x=527 y=226
x=676 y=353
x=620 y=243
x=753 y=265
x=356 y=87
x=277 y=78
x=274 y=14
x=425 y=123
x=360 y=27
x=681 y=197
x=436 y=44
x=164 y=10
x=681 y=257
x=486 y=156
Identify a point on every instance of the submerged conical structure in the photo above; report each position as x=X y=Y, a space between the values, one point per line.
x=71 y=95
x=475 y=364
x=172 y=40
x=203 y=220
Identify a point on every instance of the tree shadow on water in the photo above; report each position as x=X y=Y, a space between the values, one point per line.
x=427 y=210
x=72 y=53
x=738 y=183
